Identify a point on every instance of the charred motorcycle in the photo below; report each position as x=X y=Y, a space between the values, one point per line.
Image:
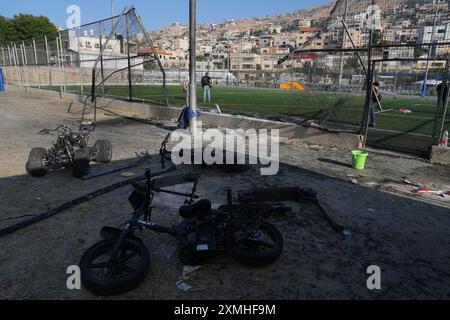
x=121 y=261
x=70 y=150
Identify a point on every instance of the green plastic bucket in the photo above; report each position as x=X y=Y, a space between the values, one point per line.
x=359 y=159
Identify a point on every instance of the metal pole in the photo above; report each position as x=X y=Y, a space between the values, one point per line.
x=130 y=84
x=79 y=62
x=192 y=63
x=369 y=94
x=430 y=48
x=48 y=63
x=36 y=63
x=58 y=51
x=11 y=68
x=441 y=111
x=102 y=69
x=445 y=109
x=112 y=10
x=25 y=59
x=5 y=78
x=63 y=61
x=18 y=67
x=24 y=63
x=360 y=59
x=341 y=61
x=3 y=57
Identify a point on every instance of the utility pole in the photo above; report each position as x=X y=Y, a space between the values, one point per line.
x=193 y=64
x=344 y=37
x=113 y=4
x=430 y=48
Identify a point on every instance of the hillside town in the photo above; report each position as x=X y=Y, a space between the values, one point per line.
x=250 y=49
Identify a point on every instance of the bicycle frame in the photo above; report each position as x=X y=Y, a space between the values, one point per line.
x=136 y=223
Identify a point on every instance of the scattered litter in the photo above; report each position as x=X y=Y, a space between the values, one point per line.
x=38 y=198
x=427 y=190
x=412 y=183
x=347 y=233
x=168 y=251
x=189 y=271
x=403 y=110
x=421 y=188
x=354 y=181
x=371 y=210
x=128 y=174
x=184 y=286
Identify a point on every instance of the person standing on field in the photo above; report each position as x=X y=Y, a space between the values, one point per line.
x=207 y=86
x=442 y=92
x=376 y=96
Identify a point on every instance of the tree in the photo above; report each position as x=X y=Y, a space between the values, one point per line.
x=7 y=32
x=255 y=50
x=352 y=64
x=24 y=27
x=376 y=38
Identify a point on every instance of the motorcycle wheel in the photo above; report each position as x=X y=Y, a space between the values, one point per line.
x=255 y=252
x=105 y=278
x=81 y=162
x=35 y=166
x=104 y=151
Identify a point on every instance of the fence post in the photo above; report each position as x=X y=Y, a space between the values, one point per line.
x=130 y=84
x=47 y=53
x=58 y=50
x=25 y=63
x=4 y=65
x=21 y=68
x=11 y=67
x=102 y=71
x=441 y=111
x=37 y=64
x=16 y=63
x=63 y=61
x=79 y=61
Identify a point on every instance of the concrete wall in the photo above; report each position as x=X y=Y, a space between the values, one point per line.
x=210 y=120
x=440 y=155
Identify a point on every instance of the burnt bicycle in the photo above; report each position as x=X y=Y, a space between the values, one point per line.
x=121 y=261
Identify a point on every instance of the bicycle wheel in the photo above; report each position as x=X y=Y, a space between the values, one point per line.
x=104 y=277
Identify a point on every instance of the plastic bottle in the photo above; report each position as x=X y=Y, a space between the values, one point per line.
x=444 y=142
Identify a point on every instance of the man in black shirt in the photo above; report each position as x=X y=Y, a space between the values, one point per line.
x=376 y=96
x=207 y=86
x=442 y=92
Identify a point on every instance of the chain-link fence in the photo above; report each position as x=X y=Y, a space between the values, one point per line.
x=402 y=46
x=112 y=57
x=327 y=81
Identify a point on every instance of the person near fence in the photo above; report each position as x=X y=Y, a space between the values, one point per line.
x=376 y=96
x=207 y=86
x=442 y=92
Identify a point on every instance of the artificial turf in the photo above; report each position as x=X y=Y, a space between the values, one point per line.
x=276 y=103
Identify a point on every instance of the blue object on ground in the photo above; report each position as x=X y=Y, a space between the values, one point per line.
x=2 y=86
x=186 y=116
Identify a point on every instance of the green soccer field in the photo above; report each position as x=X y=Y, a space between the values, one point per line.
x=274 y=103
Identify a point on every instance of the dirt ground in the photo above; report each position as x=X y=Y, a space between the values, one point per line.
x=406 y=235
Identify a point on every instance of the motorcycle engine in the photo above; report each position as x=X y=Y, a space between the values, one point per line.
x=205 y=240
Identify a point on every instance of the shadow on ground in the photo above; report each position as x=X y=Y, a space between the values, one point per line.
x=408 y=239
